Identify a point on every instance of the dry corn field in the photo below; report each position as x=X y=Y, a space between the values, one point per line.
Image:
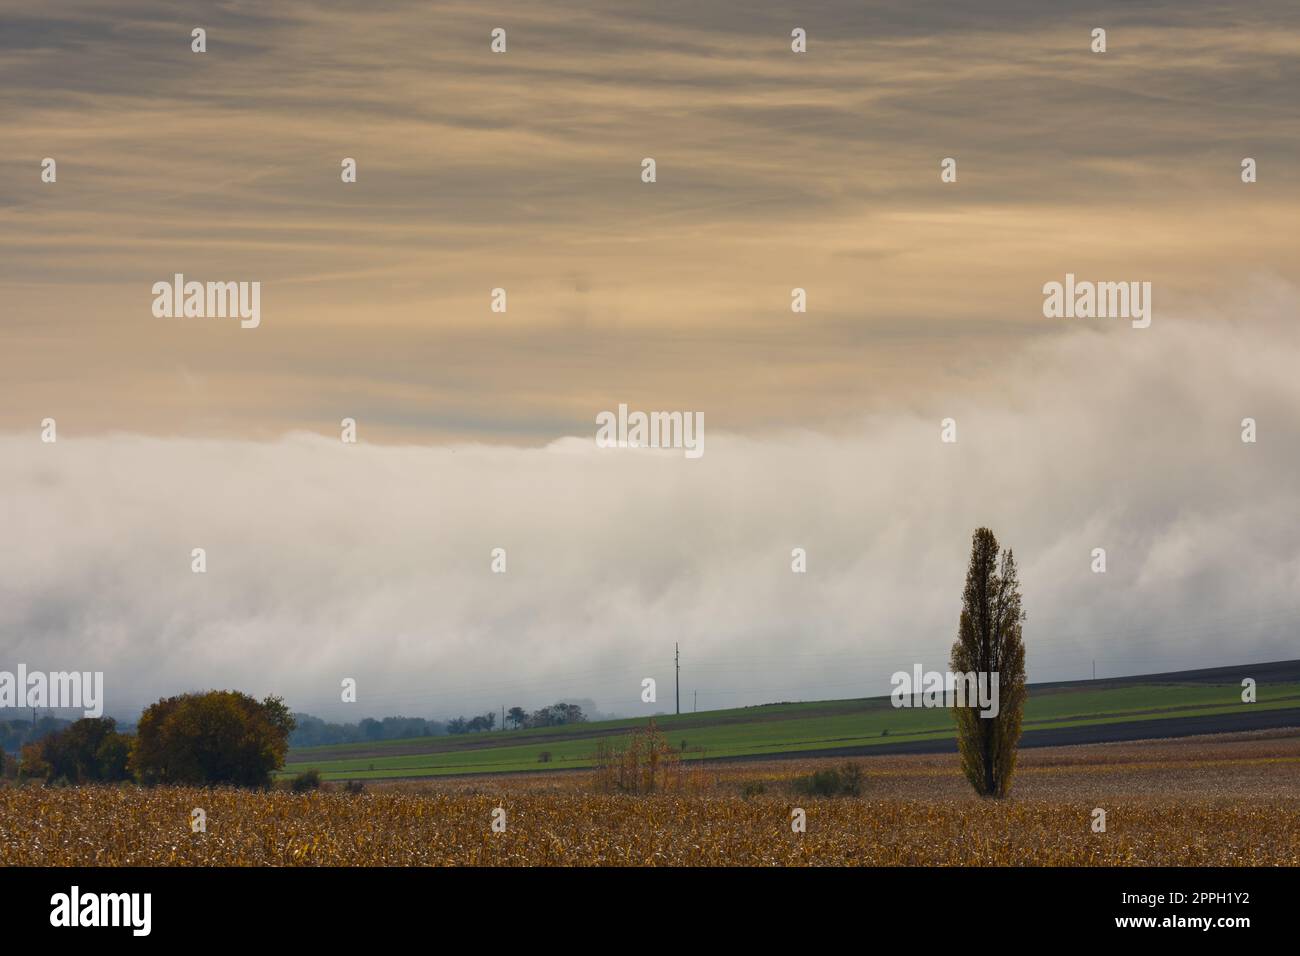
x=1193 y=802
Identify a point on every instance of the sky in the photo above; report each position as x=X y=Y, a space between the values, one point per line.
x=522 y=171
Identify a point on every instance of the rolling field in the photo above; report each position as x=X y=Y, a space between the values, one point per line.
x=1205 y=801
x=845 y=726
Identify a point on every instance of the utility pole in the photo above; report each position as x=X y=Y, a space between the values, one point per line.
x=677 y=659
x=503 y=716
x=696 y=710
x=1094 y=668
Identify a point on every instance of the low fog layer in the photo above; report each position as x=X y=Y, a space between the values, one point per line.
x=327 y=560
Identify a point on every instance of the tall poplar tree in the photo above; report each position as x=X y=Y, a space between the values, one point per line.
x=989 y=641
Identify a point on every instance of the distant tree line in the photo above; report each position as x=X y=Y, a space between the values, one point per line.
x=472 y=725
x=314 y=732
x=555 y=715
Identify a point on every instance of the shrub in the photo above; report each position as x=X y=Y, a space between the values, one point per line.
x=641 y=763
x=844 y=781
x=307 y=780
x=354 y=786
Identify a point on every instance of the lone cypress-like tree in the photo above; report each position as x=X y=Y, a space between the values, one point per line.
x=989 y=641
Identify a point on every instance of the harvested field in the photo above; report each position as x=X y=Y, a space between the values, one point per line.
x=1223 y=800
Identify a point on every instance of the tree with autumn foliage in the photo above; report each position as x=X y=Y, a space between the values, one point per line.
x=217 y=737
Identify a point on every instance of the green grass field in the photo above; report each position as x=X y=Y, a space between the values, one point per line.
x=774 y=729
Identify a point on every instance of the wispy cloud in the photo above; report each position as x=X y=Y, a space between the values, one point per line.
x=521 y=171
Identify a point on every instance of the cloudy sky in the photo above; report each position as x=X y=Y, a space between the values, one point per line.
x=775 y=170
